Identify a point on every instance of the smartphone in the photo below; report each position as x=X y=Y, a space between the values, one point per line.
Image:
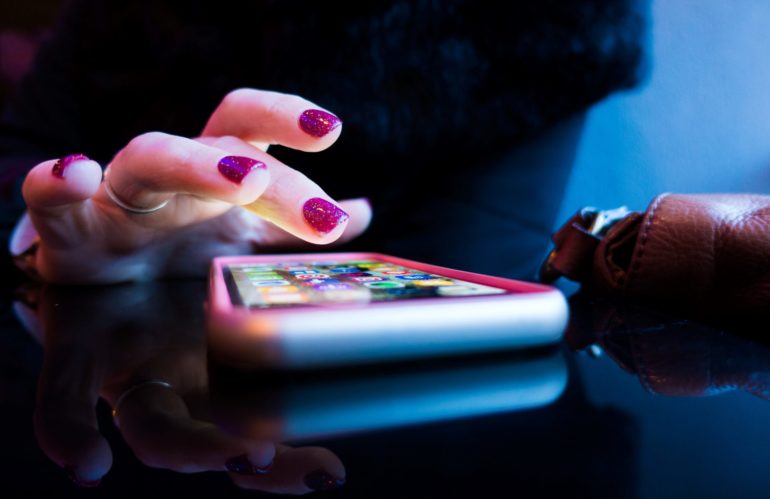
x=332 y=309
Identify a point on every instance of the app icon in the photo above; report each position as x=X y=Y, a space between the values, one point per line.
x=263 y=276
x=409 y=292
x=313 y=282
x=286 y=298
x=344 y=270
x=467 y=290
x=305 y=277
x=354 y=274
x=384 y=285
x=371 y=265
x=414 y=277
x=433 y=282
x=275 y=290
x=393 y=272
x=302 y=272
x=300 y=267
x=369 y=278
x=261 y=284
x=360 y=295
x=254 y=281
x=334 y=286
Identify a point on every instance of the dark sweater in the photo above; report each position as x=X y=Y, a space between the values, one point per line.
x=461 y=117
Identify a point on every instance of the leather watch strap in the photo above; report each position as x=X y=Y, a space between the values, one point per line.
x=576 y=242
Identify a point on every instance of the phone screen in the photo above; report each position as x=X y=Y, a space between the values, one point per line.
x=291 y=284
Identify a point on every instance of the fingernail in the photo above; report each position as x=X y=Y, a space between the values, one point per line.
x=63 y=163
x=243 y=466
x=73 y=475
x=318 y=123
x=234 y=168
x=321 y=480
x=323 y=215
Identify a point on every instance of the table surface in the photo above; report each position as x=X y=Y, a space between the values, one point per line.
x=634 y=403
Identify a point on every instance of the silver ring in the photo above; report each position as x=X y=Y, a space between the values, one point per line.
x=125 y=394
x=127 y=207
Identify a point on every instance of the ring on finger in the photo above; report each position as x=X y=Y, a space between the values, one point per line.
x=122 y=397
x=124 y=205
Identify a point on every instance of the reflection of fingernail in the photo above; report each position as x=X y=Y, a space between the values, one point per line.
x=323 y=215
x=243 y=466
x=63 y=163
x=321 y=480
x=77 y=480
x=261 y=470
x=234 y=168
x=318 y=123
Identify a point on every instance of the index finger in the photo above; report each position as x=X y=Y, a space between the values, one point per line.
x=261 y=116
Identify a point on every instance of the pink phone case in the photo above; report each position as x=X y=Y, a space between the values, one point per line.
x=316 y=336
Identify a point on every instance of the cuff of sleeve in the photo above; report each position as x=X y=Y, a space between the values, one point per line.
x=23 y=246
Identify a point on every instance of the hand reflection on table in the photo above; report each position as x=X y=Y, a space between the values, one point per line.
x=672 y=356
x=101 y=342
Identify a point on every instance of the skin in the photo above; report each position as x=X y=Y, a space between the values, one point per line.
x=86 y=238
x=93 y=350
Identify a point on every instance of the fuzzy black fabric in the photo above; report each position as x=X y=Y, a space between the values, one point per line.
x=406 y=75
x=428 y=90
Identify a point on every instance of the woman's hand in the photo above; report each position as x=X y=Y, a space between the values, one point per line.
x=220 y=194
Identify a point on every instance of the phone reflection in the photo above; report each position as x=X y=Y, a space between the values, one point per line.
x=670 y=355
x=299 y=407
x=103 y=342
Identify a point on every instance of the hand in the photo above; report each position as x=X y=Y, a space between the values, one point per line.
x=224 y=194
x=93 y=349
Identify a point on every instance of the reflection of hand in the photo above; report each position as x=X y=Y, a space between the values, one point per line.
x=104 y=341
x=86 y=237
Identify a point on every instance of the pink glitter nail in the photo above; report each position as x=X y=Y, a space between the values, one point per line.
x=235 y=168
x=322 y=215
x=318 y=123
x=63 y=163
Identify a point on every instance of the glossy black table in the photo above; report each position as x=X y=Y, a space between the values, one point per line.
x=633 y=403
